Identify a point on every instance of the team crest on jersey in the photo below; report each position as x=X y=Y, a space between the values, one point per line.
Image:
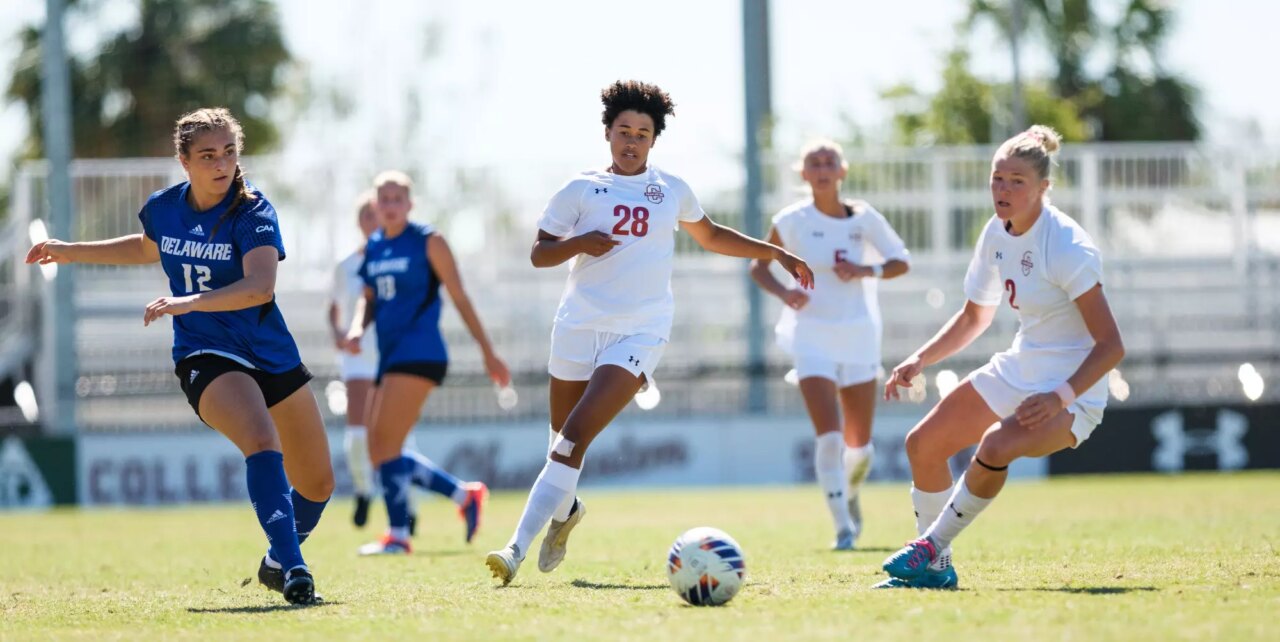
x=654 y=193
x=1026 y=263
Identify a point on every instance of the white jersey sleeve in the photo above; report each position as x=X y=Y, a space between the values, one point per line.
x=564 y=209
x=883 y=237
x=982 y=280
x=1075 y=264
x=690 y=209
x=784 y=223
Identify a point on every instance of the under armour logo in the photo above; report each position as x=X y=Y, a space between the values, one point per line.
x=602 y=189
x=836 y=495
x=633 y=361
x=952 y=506
x=999 y=255
x=817 y=234
x=1176 y=442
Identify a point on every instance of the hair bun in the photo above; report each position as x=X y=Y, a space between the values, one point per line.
x=1048 y=138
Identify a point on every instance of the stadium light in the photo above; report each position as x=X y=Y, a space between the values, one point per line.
x=1118 y=386
x=335 y=394
x=946 y=381
x=25 y=396
x=1251 y=381
x=649 y=398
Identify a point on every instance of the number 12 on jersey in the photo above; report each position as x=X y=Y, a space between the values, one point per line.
x=202 y=274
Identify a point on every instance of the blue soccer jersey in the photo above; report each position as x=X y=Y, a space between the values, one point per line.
x=203 y=251
x=406 y=297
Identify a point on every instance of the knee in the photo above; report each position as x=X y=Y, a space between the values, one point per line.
x=996 y=450
x=261 y=439
x=920 y=447
x=321 y=486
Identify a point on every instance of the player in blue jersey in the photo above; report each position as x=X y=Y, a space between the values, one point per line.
x=405 y=263
x=219 y=243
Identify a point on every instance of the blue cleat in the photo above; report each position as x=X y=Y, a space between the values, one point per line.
x=912 y=560
x=931 y=579
x=477 y=493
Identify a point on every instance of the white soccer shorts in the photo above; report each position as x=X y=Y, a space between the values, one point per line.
x=577 y=352
x=1003 y=399
x=843 y=374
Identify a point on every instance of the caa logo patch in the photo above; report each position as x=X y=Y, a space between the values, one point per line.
x=264 y=228
x=654 y=194
x=1026 y=263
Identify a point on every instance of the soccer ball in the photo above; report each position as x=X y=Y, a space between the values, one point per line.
x=706 y=567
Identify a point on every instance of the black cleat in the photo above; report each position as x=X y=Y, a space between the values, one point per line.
x=272 y=578
x=362 y=511
x=413 y=525
x=300 y=587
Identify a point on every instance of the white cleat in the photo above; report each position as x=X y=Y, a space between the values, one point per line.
x=504 y=563
x=553 y=544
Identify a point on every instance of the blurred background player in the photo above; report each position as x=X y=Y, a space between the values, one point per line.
x=358 y=370
x=1044 y=394
x=614 y=320
x=404 y=266
x=833 y=331
x=218 y=240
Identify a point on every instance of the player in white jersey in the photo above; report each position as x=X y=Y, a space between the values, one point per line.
x=358 y=371
x=1044 y=394
x=618 y=226
x=834 y=331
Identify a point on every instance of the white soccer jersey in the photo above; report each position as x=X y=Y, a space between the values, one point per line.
x=627 y=290
x=1044 y=271
x=842 y=318
x=347 y=288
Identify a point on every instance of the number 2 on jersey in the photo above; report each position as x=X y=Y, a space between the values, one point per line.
x=638 y=218
x=1013 y=292
x=386 y=287
x=203 y=274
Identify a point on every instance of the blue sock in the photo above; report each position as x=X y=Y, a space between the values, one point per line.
x=395 y=476
x=431 y=477
x=269 y=492
x=306 y=514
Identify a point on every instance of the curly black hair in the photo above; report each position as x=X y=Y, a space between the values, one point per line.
x=624 y=95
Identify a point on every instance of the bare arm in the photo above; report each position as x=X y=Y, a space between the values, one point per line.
x=717 y=238
x=446 y=268
x=256 y=288
x=891 y=269
x=760 y=273
x=134 y=249
x=550 y=250
x=967 y=324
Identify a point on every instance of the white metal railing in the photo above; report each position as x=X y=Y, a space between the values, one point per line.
x=1191 y=237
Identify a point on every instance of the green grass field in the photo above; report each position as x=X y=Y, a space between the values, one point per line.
x=1106 y=558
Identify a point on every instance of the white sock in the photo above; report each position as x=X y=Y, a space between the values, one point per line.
x=562 y=511
x=928 y=506
x=355 y=442
x=963 y=508
x=828 y=465
x=857 y=464
x=556 y=483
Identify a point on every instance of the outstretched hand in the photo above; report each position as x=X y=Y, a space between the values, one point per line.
x=903 y=376
x=796 y=267
x=50 y=251
x=172 y=305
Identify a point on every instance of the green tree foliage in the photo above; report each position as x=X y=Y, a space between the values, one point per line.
x=181 y=55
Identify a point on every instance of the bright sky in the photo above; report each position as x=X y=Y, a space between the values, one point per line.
x=514 y=84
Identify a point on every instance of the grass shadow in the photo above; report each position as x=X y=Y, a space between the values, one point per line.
x=1089 y=590
x=261 y=608
x=620 y=587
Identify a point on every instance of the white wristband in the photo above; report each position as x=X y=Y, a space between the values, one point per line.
x=877 y=270
x=1066 y=393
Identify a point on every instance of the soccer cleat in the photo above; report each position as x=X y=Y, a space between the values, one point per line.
x=299 y=586
x=845 y=541
x=271 y=577
x=931 y=579
x=470 y=509
x=553 y=544
x=504 y=563
x=388 y=545
x=361 y=516
x=911 y=560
